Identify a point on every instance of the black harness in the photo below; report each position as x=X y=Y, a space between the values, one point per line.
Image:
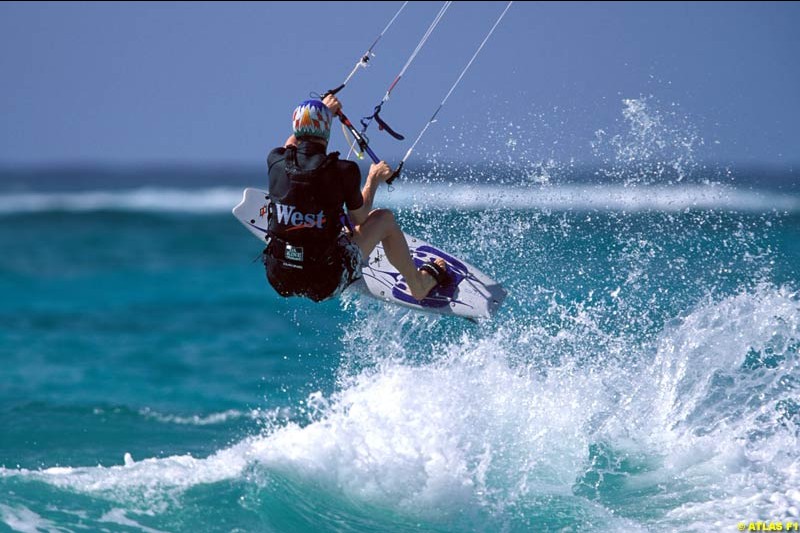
x=303 y=257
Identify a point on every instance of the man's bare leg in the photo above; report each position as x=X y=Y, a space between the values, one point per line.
x=381 y=226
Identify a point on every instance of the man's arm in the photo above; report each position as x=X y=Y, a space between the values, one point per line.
x=378 y=173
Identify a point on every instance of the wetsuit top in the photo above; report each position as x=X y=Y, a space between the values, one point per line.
x=307 y=189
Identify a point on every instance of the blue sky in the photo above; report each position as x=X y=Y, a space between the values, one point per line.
x=142 y=82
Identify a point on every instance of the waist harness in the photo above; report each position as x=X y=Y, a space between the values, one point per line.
x=302 y=254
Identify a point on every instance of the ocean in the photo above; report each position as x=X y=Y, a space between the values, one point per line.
x=642 y=374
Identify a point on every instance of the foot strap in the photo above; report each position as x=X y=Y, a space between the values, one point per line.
x=440 y=274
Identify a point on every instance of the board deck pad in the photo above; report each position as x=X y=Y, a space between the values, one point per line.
x=471 y=293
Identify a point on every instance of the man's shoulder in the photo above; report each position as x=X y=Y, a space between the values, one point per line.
x=276 y=155
x=347 y=167
x=280 y=151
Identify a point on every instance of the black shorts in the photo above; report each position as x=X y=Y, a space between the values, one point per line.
x=323 y=278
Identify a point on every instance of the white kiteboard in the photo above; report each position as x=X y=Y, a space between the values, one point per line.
x=471 y=294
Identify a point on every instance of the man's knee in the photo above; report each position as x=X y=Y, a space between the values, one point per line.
x=384 y=217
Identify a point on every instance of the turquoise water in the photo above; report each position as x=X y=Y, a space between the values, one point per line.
x=642 y=374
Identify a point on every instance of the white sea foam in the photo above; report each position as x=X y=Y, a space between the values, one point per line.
x=448 y=196
x=120 y=517
x=491 y=425
x=727 y=409
x=148 y=485
x=203 y=420
x=708 y=431
x=20 y=518
x=595 y=197
x=147 y=199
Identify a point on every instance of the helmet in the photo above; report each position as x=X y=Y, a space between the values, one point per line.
x=313 y=118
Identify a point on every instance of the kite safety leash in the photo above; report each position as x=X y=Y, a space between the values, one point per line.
x=382 y=125
x=360 y=139
x=364 y=61
x=433 y=117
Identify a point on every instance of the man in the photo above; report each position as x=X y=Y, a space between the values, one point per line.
x=314 y=250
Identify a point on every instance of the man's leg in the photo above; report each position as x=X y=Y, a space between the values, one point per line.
x=381 y=226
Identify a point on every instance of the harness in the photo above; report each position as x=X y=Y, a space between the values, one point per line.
x=307 y=253
x=303 y=222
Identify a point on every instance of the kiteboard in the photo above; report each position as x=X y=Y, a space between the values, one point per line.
x=471 y=293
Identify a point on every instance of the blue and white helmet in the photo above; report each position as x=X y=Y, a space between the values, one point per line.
x=313 y=118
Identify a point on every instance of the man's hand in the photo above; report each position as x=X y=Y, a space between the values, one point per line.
x=380 y=171
x=332 y=103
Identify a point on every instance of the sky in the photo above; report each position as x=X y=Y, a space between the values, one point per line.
x=215 y=83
